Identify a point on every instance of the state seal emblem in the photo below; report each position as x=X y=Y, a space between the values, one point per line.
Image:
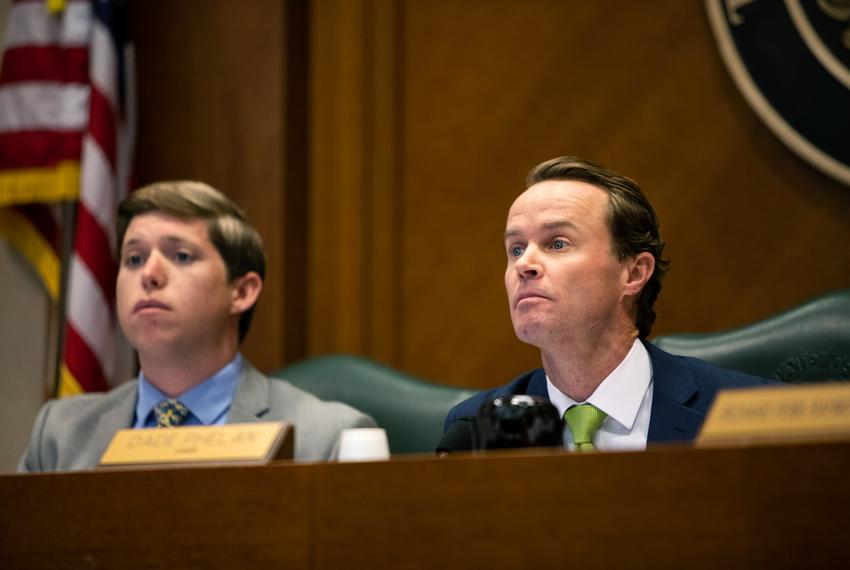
x=791 y=61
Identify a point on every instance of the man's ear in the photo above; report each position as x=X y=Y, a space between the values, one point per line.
x=640 y=269
x=246 y=289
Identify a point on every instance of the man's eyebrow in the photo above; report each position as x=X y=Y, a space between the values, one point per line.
x=558 y=224
x=130 y=242
x=176 y=239
x=553 y=225
x=170 y=240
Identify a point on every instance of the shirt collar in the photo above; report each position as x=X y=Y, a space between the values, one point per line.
x=208 y=401
x=620 y=394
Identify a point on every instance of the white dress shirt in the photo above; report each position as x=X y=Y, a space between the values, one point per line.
x=625 y=395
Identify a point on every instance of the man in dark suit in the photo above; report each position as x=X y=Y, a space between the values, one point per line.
x=584 y=270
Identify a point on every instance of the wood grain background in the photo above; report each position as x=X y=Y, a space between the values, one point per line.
x=377 y=145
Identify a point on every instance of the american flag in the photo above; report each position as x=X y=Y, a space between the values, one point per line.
x=66 y=132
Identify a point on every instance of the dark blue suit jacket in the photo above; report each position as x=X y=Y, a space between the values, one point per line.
x=683 y=390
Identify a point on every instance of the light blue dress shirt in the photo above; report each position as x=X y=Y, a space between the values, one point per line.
x=208 y=402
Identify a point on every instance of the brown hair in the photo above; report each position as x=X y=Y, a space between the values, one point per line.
x=631 y=218
x=236 y=240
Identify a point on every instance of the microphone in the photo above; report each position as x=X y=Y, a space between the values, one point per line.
x=462 y=436
x=506 y=422
x=519 y=421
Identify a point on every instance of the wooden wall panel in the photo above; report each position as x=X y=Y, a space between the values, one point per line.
x=378 y=144
x=487 y=89
x=211 y=90
x=356 y=184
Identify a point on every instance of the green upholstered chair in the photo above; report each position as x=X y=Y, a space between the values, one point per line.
x=809 y=343
x=411 y=410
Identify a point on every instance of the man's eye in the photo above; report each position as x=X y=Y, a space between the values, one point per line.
x=516 y=250
x=559 y=244
x=183 y=256
x=133 y=260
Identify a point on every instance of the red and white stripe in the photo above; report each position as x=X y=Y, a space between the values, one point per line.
x=44 y=100
x=64 y=135
x=96 y=354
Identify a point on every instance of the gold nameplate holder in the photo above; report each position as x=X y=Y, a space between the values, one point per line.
x=230 y=444
x=814 y=412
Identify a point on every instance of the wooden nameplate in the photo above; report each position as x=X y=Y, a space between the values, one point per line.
x=230 y=444
x=814 y=412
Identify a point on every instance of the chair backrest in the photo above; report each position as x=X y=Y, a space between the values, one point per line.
x=411 y=410
x=809 y=343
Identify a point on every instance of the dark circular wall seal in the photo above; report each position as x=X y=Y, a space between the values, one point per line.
x=791 y=61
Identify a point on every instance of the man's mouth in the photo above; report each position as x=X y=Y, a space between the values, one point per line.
x=529 y=295
x=150 y=304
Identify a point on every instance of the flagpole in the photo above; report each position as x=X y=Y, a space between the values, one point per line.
x=69 y=228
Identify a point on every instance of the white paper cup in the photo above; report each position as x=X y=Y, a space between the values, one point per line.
x=363 y=444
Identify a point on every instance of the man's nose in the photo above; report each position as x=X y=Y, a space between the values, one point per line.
x=154 y=275
x=528 y=265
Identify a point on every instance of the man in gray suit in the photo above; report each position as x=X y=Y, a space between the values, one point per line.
x=191 y=270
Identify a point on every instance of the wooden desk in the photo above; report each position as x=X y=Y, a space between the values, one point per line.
x=760 y=507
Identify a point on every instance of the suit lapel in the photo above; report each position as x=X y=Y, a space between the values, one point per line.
x=671 y=419
x=251 y=400
x=537 y=384
x=115 y=418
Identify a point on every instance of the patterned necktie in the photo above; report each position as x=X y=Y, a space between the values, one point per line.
x=170 y=413
x=584 y=421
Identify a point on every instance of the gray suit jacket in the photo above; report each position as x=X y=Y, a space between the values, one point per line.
x=71 y=434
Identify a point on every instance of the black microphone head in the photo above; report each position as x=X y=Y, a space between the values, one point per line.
x=518 y=421
x=460 y=437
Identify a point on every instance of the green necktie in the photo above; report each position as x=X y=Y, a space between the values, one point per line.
x=170 y=413
x=584 y=421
